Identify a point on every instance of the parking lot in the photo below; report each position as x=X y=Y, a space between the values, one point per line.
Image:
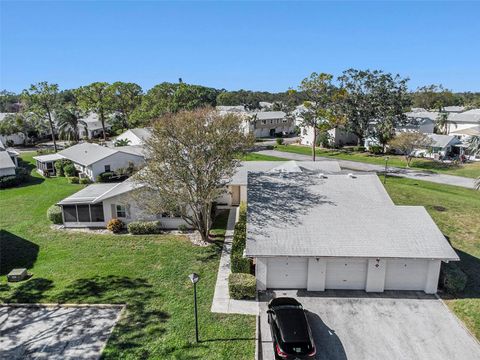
x=29 y=332
x=395 y=325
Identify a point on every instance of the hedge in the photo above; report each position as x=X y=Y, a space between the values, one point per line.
x=84 y=181
x=242 y=286
x=454 y=279
x=21 y=175
x=73 y=180
x=59 y=168
x=238 y=263
x=144 y=227
x=54 y=214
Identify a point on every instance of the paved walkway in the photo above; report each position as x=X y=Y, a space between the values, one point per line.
x=394 y=171
x=222 y=303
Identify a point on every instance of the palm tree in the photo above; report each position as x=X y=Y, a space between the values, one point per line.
x=69 y=120
x=443 y=124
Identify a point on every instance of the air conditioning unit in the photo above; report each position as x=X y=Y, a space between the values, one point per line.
x=17 y=275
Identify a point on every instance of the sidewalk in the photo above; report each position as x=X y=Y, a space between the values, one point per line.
x=222 y=303
x=394 y=171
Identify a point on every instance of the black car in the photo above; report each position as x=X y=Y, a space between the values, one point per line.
x=291 y=334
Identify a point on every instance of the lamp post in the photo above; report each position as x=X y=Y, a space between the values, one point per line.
x=385 y=173
x=194 y=279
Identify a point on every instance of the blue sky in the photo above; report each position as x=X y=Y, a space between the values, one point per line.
x=251 y=45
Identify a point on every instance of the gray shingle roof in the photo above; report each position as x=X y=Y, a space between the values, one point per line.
x=142 y=133
x=299 y=214
x=87 y=153
x=5 y=160
x=267 y=115
x=442 y=141
x=240 y=176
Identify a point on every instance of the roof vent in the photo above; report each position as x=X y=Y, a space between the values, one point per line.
x=351 y=176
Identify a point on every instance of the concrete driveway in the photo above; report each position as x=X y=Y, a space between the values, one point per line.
x=43 y=332
x=357 y=326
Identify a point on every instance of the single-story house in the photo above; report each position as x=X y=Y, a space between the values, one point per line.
x=136 y=136
x=7 y=166
x=16 y=138
x=312 y=232
x=236 y=191
x=91 y=160
x=92 y=127
x=442 y=145
x=423 y=125
x=336 y=136
x=96 y=204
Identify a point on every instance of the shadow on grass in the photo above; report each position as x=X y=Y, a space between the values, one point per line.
x=16 y=252
x=470 y=265
x=29 y=291
x=142 y=322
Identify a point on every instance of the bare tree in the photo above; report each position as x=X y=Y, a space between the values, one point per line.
x=192 y=156
x=408 y=142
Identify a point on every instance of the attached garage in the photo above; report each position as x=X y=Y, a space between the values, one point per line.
x=346 y=274
x=287 y=273
x=317 y=232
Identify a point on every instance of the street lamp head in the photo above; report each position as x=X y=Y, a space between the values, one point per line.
x=194 y=278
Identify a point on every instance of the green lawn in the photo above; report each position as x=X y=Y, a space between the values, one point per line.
x=471 y=170
x=261 y=157
x=148 y=273
x=456 y=211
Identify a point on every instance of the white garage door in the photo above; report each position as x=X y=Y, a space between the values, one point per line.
x=406 y=274
x=287 y=273
x=346 y=274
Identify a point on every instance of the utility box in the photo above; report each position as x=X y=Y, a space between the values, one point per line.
x=17 y=275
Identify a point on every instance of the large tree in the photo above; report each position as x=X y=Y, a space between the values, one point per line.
x=192 y=156
x=127 y=97
x=41 y=100
x=97 y=98
x=170 y=98
x=26 y=124
x=374 y=104
x=69 y=118
x=322 y=97
x=434 y=97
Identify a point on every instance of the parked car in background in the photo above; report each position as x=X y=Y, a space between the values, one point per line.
x=291 y=333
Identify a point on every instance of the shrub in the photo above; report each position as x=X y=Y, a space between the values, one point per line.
x=85 y=181
x=21 y=175
x=59 y=168
x=144 y=227
x=279 y=141
x=115 y=225
x=375 y=149
x=105 y=177
x=74 y=180
x=454 y=279
x=69 y=170
x=242 y=286
x=54 y=214
x=359 y=148
x=183 y=228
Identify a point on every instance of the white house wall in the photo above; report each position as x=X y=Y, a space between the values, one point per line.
x=7 y=171
x=18 y=138
x=371 y=275
x=116 y=161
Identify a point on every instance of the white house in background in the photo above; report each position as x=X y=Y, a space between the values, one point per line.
x=465 y=120
x=442 y=145
x=236 y=191
x=91 y=160
x=454 y=109
x=423 y=125
x=136 y=136
x=96 y=204
x=336 y=137
x=270 y=123
x=339 y=232
x=93 y=127
x=17 y=138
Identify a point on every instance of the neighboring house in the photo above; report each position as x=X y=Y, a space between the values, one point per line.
x=443 y=145
x=312 y=232
x=423 y=125
x=93 y=128
x=45 y=164
x=336 y=137
x=136 y=136
x=96 y=204
x=271 y=123
x=464 y=120
x=454 y=109
x=236 y=191
x=17 y=138
x=7 y=166
x=13 y=154
x=91 y=160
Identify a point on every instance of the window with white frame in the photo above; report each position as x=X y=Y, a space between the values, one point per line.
x=121 y=211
